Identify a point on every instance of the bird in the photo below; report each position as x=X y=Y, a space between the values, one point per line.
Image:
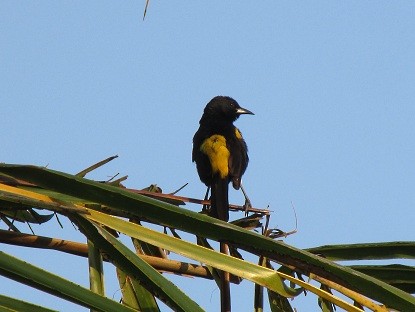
x=220 y=152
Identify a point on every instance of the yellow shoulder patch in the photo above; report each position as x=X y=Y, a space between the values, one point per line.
x=238 y=133
x=215 y=148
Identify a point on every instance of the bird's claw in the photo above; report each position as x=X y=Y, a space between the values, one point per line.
x=247 y=206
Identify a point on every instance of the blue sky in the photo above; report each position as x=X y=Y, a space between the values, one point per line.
x=331 y=84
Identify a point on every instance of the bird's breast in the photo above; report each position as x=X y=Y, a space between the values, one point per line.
x=218 y=153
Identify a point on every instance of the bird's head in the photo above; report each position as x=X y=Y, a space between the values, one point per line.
x=224 y=107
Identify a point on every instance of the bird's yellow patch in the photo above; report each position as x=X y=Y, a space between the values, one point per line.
x=215 y=148
x=238 y=134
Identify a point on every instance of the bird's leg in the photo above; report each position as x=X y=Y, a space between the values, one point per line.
x=206 y=206
x=247 y=204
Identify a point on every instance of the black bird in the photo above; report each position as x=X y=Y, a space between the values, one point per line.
x=220 y=152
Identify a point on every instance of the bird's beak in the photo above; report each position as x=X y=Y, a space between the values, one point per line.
x=241 y=111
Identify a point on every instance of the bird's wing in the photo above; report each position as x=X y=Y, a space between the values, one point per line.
x=238 y=160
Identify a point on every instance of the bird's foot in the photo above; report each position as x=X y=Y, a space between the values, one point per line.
x=205 y=208
x=247 y=206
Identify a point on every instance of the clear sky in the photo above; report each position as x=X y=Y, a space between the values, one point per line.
x=331 y=84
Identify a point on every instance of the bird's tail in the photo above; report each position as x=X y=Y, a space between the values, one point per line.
x=219 y=199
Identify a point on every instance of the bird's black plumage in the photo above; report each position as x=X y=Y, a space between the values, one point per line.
x=220 y=152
